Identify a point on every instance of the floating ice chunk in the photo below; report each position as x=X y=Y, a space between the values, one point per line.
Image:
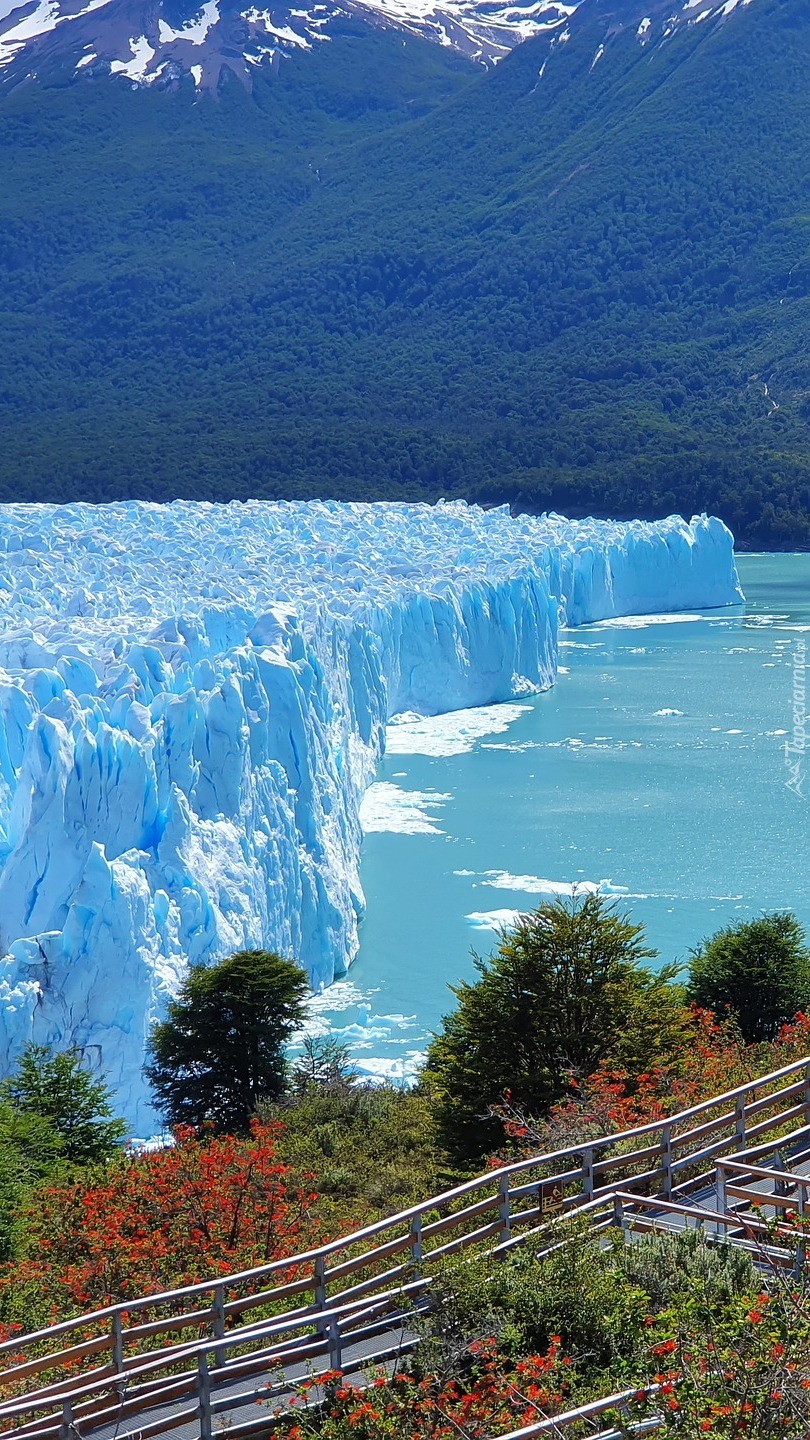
x=453 y=734
x=493 y=919
x=534 y=885
x=386 y=807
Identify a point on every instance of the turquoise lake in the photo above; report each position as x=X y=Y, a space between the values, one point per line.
x=655 y=768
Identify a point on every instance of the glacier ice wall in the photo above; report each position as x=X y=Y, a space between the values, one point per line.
x=193 y=700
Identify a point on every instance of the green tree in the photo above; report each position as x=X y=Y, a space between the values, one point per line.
x=564 y=990
x=61 y=1090
x=30 y=1151
x=757 y=969
x=221 y=1048
x=323 y=1061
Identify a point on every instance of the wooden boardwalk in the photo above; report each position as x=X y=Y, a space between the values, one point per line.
x=197 y=1361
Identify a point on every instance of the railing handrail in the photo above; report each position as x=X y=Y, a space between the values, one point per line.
x=192 y=1349
x=762 y=1172
x=622 y=1202
x=489 y=1177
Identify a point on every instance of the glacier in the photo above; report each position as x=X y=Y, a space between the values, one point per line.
x=193 y=701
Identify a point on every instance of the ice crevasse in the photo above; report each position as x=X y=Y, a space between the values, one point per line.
x=193 y=700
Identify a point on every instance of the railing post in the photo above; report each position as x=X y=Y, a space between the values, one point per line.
x=739 y=1122
x=218 y=1324
x=335 y=1346
x=720 y=1195
x=204 y=1397
x=587 y=1173
x=801 y=1249
x=66 y=1429
x=415 y=1238
x=807 y=1092
x=117 y=1343
x=504 y=1208
x=666 y=1159
x=320 y=1290
x=618 y=1214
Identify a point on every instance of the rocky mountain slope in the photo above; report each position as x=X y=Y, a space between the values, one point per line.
x=148 y=43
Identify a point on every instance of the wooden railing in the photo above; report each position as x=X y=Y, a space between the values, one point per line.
x=333 y=1302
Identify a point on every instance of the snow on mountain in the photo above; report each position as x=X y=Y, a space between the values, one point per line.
x=193 y=699
x=136 y=39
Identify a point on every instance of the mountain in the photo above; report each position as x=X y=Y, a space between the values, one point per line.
x=148 y=43
x=576 y=278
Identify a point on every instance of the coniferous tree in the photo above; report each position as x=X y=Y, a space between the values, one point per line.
x=61 y=1090
x=221 y=1048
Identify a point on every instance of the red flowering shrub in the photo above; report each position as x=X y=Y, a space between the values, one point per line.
x=154 y=1222
x=744 y=1377
x=492 y=1397
x=716 y=1059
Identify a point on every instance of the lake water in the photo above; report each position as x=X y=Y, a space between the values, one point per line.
x=655 y=768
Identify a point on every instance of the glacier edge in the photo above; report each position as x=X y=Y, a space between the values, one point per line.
x=185 y=742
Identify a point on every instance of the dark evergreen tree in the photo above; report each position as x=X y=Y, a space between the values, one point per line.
x=61 y=1090
x=220 y=1051
x=757 y=969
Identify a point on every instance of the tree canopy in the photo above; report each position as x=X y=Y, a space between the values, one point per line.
x=565 y=988
x=220 y=1050
x=61 y=1091
x=759 y=970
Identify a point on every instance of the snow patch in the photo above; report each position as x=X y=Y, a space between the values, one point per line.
x=194 y=30
x=136 y=68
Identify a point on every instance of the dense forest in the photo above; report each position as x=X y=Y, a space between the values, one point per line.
x=387 y=274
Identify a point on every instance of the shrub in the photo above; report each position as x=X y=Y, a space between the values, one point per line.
x=158 y=1221
x=577 y=1296
x=373 y=1147
x=667 y=1265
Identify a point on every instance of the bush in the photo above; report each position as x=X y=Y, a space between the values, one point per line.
x=564 y=990
x=666 y=1265
x=372 y=1147
x=757 y=969
x=221 y=1049
x=578 y=1293
x=155 y=1222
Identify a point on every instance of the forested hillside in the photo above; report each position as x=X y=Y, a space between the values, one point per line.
x=389 y=275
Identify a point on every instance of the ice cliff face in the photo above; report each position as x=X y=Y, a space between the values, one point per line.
x=193 y=699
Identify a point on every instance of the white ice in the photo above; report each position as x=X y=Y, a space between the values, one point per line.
x=193 y=701
x=387 y=807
